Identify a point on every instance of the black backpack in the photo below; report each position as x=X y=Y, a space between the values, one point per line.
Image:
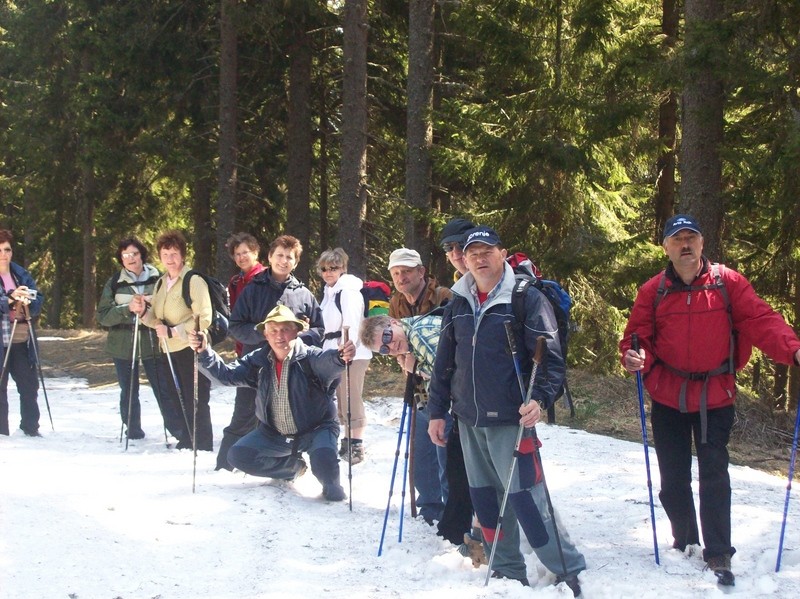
x=221 y=311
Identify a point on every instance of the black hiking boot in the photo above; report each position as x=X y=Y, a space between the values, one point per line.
x=720 y=565
x=571 y=580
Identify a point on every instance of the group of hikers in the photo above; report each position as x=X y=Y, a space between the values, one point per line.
x=479 y=373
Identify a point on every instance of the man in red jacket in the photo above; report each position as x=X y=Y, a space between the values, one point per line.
x=696 y=323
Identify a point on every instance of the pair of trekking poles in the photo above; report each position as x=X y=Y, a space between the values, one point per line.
x=537 y=359
x=35 y=344
x=176 y=382
x=792 y=459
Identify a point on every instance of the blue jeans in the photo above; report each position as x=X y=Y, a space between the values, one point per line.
x=430 y=462
x=23 y=370
x=264 y=452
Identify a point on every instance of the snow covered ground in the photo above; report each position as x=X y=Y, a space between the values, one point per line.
x=81 y=518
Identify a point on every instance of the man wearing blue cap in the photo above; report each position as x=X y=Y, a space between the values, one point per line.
x=475 y=371
x=696 y=323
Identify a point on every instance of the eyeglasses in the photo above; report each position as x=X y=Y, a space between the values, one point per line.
x=129 y=254
x=386 y=339
x=330 y=268
x=449 y=247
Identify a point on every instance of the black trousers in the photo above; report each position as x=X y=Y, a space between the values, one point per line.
x=243 y=421
x=183 y=362
x=672 y=434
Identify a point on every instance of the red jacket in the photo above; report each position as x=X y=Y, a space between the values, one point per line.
x=692 y=334
x=237 y=283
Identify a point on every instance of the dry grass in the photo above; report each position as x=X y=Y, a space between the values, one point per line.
x=605 y=405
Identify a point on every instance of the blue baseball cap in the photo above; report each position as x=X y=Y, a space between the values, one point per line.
x=679 y=222
x=481 y=234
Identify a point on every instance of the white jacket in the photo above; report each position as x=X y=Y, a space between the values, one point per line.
x=352 y=313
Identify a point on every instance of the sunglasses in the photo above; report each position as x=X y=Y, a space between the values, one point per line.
x=386 y=339
x=129 y=254
x=449 y=247
x=330 y=268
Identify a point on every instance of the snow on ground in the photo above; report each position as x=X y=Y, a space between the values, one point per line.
x=81 y=518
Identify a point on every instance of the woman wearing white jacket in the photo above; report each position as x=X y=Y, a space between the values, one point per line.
x=343 y=305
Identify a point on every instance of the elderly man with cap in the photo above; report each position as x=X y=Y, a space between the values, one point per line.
x=295 y=402
x=696 y=323
x=475 y=371
x=418 y=294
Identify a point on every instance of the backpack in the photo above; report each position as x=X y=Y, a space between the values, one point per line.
x=738 y=353
x=376 y=298
x=527 y=274
x=220 y=308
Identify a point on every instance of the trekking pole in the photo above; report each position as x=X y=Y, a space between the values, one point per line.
x=412 y=436
x=177 y=388
x=789 y=485
x=130 y=385
x=195 y=387
x=405 y=472
x=537 y=359
x=154 y=350
x=642 y=420
x=8 y=351
x=394 y=472
x=345 y=339
x=26 y=312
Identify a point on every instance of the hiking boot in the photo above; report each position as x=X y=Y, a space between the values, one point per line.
x=571 y=580
x=472 y=547
x=301 y=470
x=31 y=432
x=343 y=447
x=523 y=581
x=720 y=565
x=136 y=433
x=352 y=448
x=333 y=492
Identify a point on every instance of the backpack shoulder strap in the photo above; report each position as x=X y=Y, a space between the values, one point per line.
x=521 y=286
x=185 y=290
x=337 y=300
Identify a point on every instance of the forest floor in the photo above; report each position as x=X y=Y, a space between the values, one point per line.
x=606 y=405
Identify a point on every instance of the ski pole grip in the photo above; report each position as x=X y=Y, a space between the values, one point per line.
x=541 y=346
x=345 y=334
x=635 y=342
x=512 y=342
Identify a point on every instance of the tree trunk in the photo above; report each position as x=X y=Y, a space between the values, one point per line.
x=300 y=141
x=703 y=101
x=667 y=127
x=419 y=127
x=325 y=133
x=87 y=203
x=353 y=173
x=228 y=143
x=203 y=232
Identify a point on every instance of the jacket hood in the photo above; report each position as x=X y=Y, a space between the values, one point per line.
x=346 y=281
x=500 y=294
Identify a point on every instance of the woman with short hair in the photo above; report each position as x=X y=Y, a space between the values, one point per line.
x=172 y=318
x=20 y=301
x=343 y=305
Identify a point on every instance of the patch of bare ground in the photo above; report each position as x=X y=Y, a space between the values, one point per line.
x=606 y=405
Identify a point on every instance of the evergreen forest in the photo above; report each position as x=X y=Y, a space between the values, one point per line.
x=574 y=127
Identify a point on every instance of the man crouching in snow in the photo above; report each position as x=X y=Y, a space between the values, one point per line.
x=294 y=402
